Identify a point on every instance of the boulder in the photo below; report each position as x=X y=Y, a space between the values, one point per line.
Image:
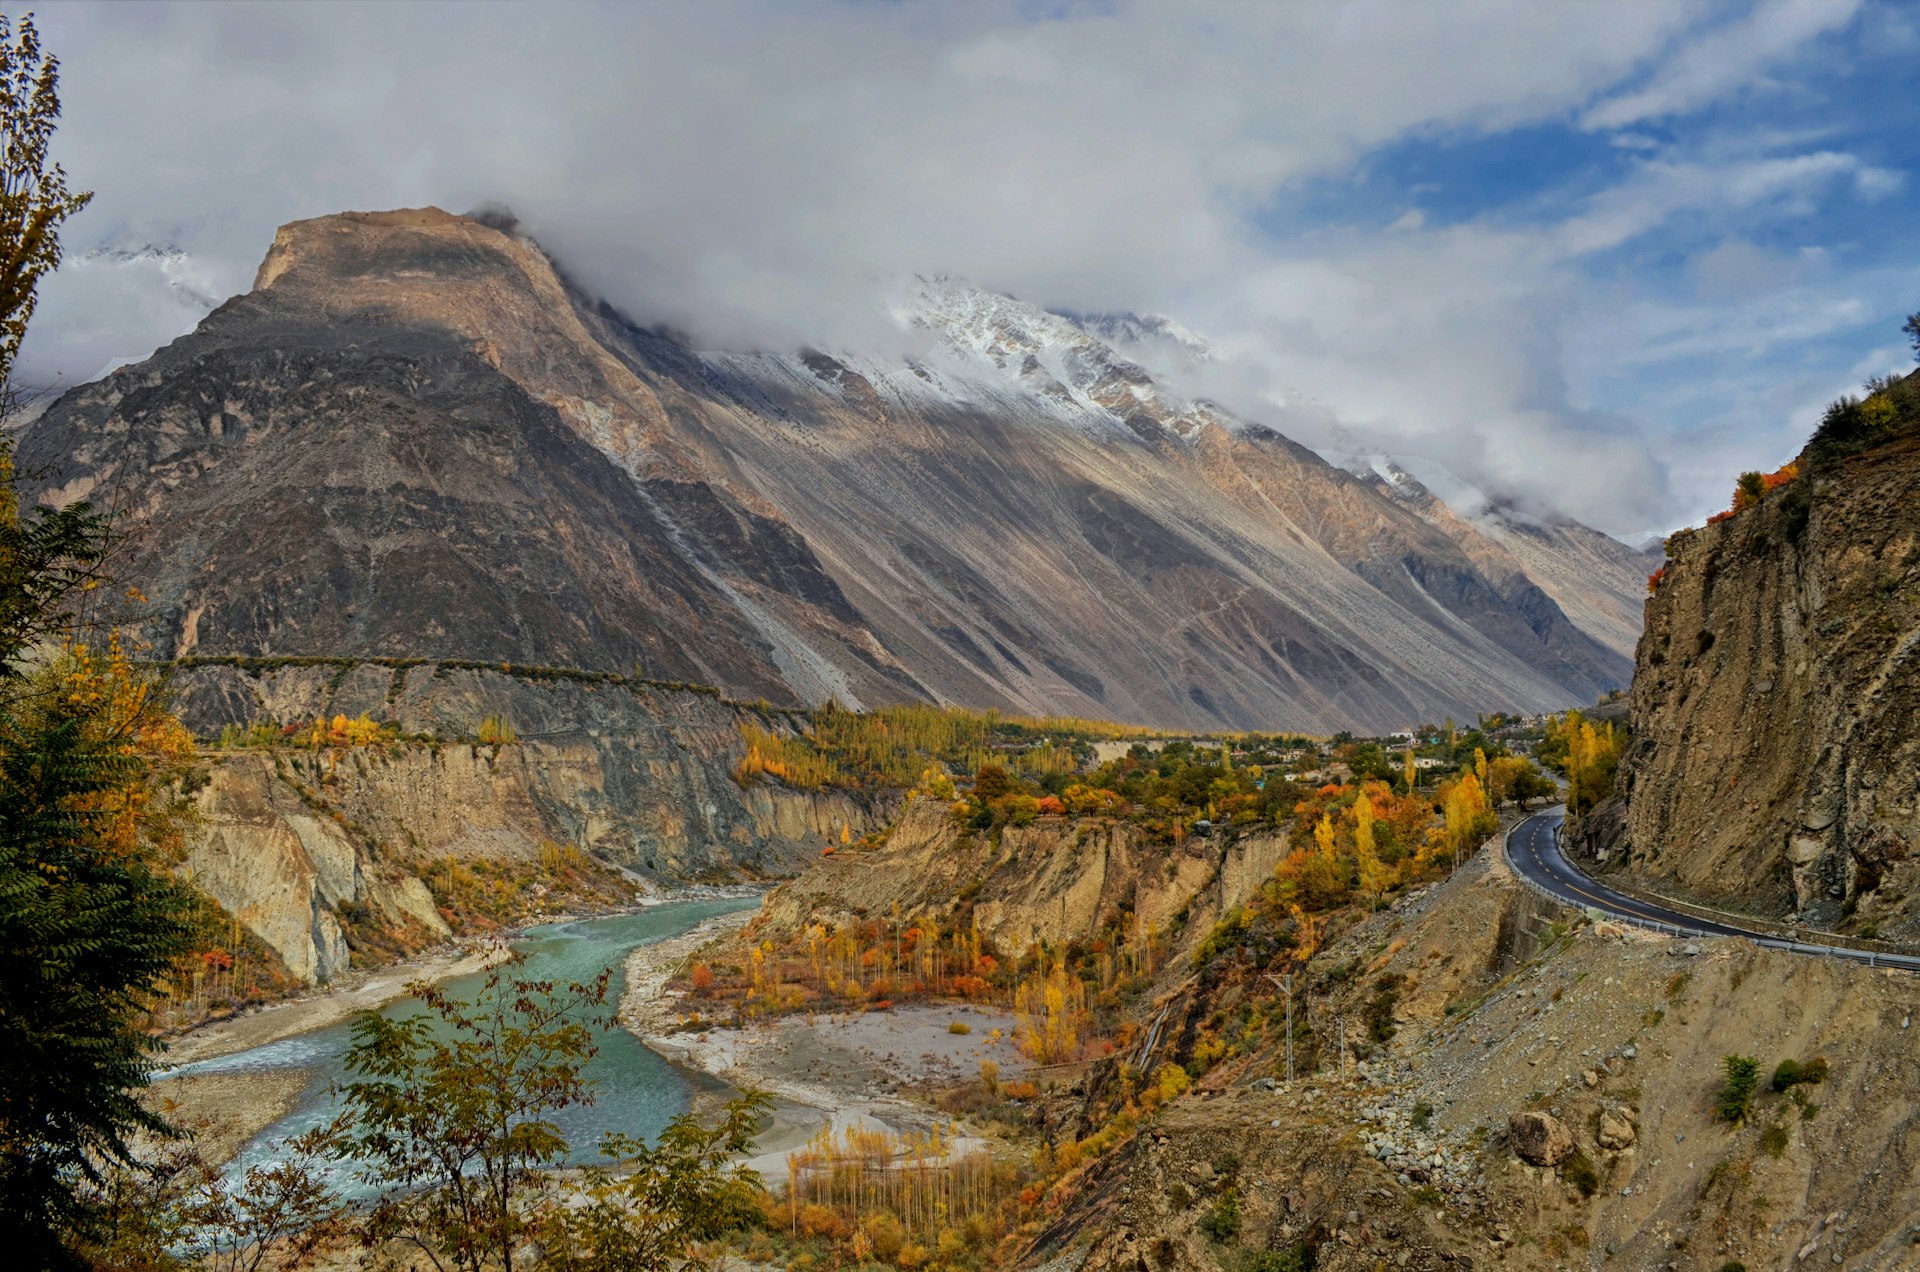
x=1615 y=1131
x=1539 y=1138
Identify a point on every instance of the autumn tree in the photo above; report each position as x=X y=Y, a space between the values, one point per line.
x=1323 y=834
x=450 y=1116
x=666 y=1198
x=1514 y=778
x=1468 y=820
x=452 y=1113
x=1374 y=875
x=90 y=924
x=34 y=198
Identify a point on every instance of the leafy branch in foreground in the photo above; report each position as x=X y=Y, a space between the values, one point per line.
x=665 y=1198
x=451 y=1119
x=452 y=1113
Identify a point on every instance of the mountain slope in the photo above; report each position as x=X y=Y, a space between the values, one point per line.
x=1593 y=578
x=415 y=437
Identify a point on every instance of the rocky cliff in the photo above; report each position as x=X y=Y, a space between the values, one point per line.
x=1774 y=762
x=301 y=845
x=1054 y=882
x=416 y=438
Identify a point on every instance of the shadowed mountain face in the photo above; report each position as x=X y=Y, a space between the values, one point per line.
x=413 y=437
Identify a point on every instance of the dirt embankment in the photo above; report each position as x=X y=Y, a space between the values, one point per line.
x=1499 y=1004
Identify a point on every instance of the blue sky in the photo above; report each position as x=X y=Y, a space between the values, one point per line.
x=1596 y=257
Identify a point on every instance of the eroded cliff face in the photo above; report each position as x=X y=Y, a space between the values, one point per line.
x=291 y=841
x=1775 y=761
x=1053 y=882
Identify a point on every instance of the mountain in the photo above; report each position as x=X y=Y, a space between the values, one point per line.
x=1774 y=763
x=1596 y=580
x=416 y=437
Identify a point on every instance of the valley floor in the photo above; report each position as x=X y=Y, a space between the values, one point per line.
x=832 y=1072
x=1499 y=1004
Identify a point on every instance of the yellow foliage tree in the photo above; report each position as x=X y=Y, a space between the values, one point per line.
x=1052 y=1011
x=1467 y=818
x=1374 y=874
x=1323 y=835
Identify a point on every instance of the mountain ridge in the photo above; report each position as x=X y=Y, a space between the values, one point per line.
x=1022 y=517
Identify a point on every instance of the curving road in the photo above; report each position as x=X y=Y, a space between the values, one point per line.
x=1533 y=850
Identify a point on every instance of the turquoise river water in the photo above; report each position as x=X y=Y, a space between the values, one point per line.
x=636 y=1092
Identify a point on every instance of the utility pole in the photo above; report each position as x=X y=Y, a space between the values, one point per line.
x=1285 y=983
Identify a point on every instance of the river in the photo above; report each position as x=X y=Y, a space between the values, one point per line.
x=636 y=1092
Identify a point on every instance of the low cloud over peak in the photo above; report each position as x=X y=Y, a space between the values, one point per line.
x=1411 y=215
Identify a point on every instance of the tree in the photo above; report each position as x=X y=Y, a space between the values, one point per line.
x=1514 y=778
x=34 y=198
x=1410 y=771
x=1735 y=1099
x=666 y=1197
x=451 y=1119
x=178 y=1210
x=452 y=1113
x=1749 y=490
x=280 y=1214
x=1373 y=874
x=1912 y=328
x=991 y=782
x=90 y=925
x=1323 y=835
x=1467 y=818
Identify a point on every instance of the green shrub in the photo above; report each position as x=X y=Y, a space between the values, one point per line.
x=1578 y=1170
x=1773 y=1141
x=1222 y=1223
x=1422 y=1115
x=1792 y=1073
x=1386 y=997
x=1742 y=1075
x=1297 y=1258
x=1733 y=1265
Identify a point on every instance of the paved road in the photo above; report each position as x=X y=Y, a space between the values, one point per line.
x=1533 y=850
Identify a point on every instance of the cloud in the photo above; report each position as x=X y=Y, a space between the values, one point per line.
x=1726 y=60
x=763 y=174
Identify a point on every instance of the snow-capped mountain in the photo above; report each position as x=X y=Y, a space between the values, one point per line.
x=1020 y=515
x=176 y=270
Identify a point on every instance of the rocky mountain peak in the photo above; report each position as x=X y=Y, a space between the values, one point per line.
x=416 y=437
